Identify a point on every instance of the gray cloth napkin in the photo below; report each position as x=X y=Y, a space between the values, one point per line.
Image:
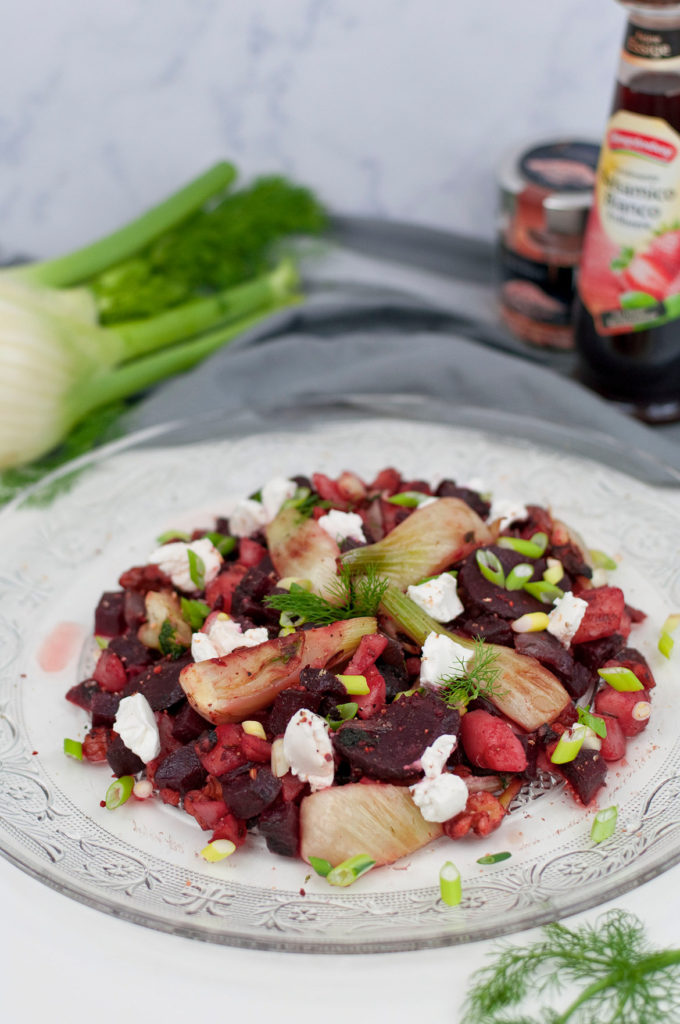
x=394 y=310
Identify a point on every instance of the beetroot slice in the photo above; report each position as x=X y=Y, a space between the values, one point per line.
x=180 y=771
x=386 y=746
x=585 y=774
x=104 y=708
x=487 y=627
x=547 y=649
x=286 y=705
x=481 y=597
x=121 y=759
x=187 y=725
x=247 y=796
x=82 y=693
x=280 y=826
x=109 y=616
x=160 y=684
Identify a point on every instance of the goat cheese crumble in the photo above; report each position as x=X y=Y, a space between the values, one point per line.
x=565 y=617
x=173 y=560
x=342 y=525
x=442 y=658
x=136 y=725
x=308 y=749
x=438 y=597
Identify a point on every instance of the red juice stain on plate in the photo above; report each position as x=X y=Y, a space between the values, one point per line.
x=60 y=646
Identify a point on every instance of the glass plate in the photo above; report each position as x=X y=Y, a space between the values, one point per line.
x=141 y=862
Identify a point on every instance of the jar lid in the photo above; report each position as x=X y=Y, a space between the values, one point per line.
x=564 y=169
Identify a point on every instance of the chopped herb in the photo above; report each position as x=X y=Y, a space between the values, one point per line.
x=478 y=677
x=594 y=722
x=222 y=541
x=166 y=641
x=321 y=866
x=358 y=597
x=196 y=569
x=170 y=535
x=194 y=612
x=494 y=858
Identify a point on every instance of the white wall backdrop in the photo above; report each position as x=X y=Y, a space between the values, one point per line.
x=399 y=108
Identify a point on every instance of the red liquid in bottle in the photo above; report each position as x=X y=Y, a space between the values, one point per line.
x=639 y=367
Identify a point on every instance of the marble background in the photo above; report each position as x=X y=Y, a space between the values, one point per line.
x=400 y=108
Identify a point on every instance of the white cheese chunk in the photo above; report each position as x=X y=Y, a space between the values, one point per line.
x=437 y=754
x=508 y=512
x=274 y=493
x=438 y=597
x=565 y=617
x=222 y=637
x=247 y=517
x=135 y=723
x=342 y=525
x=442 y=658
x=308 y=749
x=173 y=560
x=440 y=798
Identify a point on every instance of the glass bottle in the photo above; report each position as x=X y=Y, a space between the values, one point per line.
x=627 y=324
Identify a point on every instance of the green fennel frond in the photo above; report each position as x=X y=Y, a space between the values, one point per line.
x=477 y=678
x=348 y=598
x=625 y=982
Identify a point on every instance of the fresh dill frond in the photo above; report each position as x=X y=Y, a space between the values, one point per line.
x=167 y=643
x=623 y=979
x=477 y=678
x=355 y=597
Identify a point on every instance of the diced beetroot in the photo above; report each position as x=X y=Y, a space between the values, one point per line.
x=229 y=827
x=585 y=774
x=247 y=599
x=631 y=658
x=635 y=615
x=254 y=748
x=490 y=743
x=82 y=693
x=614 y=743
x=482 y=815
x=104 y=708
x=322 y=683
x=187 y=724
x=291 y=787
x=286 y=704
x=109 y=671
x=160 y=683
x=369 y=704
x=387 y=746
x=388 y=481
x=224 y=585
x=121 y=759
x=448 y=489
x=603 y=615
x=95 y=744
x=207 y=812
x=109 y=616
x=221 y=757
x=133 y=653
x=280 y=825
x=181 y=771
x=630 y=708
x=489 y=627
x=169 y=742
x=248 y=794
x=370 y=647
x=575 y=677
x=481 y=597
x=134 y=609
x=593 y=654
x=250 y=553
x=145 y=578
x=329 y=491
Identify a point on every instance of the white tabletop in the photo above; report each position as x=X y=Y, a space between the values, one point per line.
x=63 y=962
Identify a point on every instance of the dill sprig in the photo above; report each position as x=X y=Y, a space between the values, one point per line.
x=477 y=678
x=347 y=598
x=625 y=980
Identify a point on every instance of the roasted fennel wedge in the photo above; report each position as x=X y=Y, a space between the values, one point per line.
x=230 y=688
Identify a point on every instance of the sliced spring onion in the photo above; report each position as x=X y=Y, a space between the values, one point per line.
x=73 y=748
x=546 y=593
x=533 y=548
x=321 y=866
x=620 y=678
x=554 y=573
x=518 y=576
x=102 y=642
x=194 y=612
x=347 y=872
x=594 y=722
x=222 y=541
x=171 y=535
x=569 y=744
x=356 y=686
x=345 y=712
x=604 y=824
x=532 y=622
x=450 y=888
x=119 y=792
x=196 y=569
x=218 y=850
x=666 y=641
x=601 y=560
x=489 y=565
x=252 y=728
x=407 y=693
x=494 y=858
x=642 y=711
x=409 y=499
x=300 y=496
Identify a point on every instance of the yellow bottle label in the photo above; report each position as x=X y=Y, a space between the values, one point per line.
x=630 y=269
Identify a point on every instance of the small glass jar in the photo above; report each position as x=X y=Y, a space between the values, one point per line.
x=546 y=191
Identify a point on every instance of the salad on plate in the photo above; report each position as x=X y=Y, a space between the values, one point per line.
x=355 y=669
